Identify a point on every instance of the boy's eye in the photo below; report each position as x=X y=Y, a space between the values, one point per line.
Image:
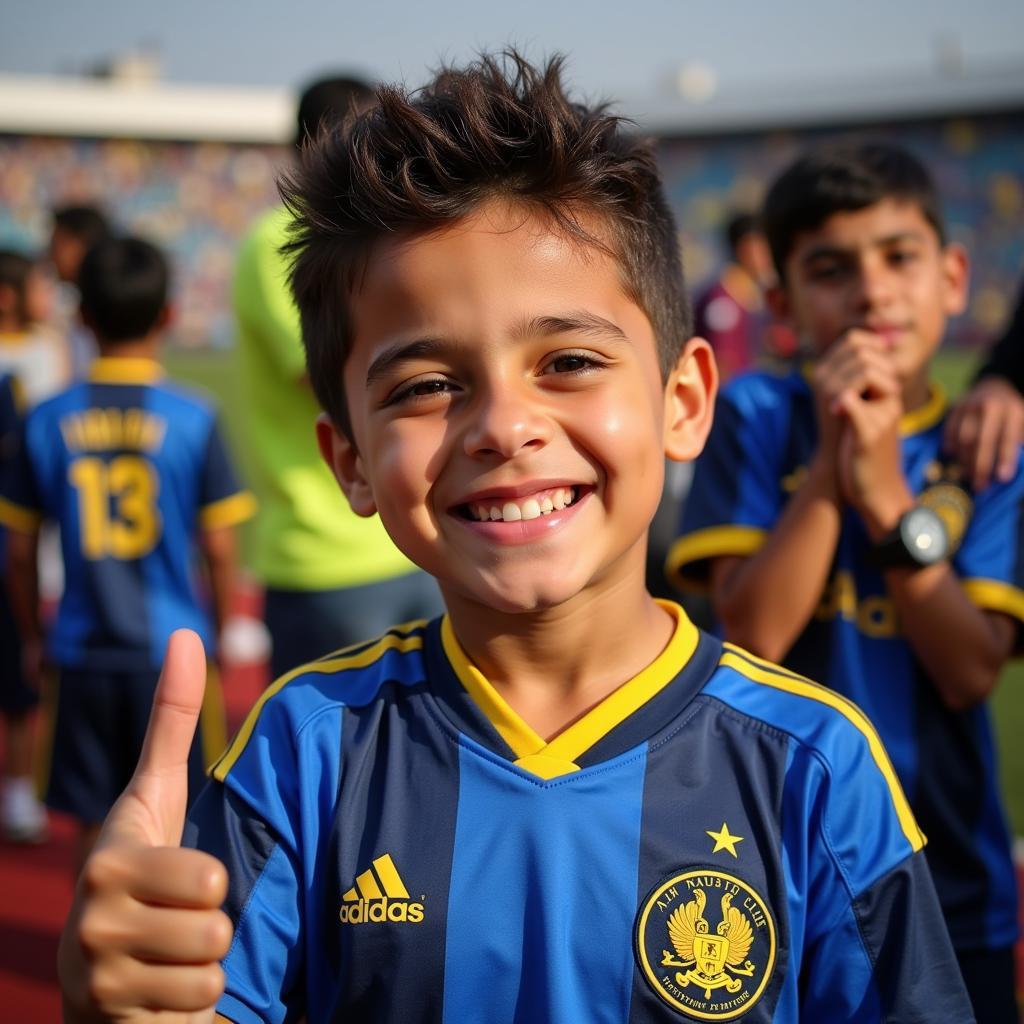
x=424 y=387
x=899 y=257
x=573 y=363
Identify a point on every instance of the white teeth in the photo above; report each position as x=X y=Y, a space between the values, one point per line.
x=530 y=508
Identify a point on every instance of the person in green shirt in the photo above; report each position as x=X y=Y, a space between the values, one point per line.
x=331 y=578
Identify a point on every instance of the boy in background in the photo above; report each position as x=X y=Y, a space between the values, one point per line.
x=22 y=817
x=560 y=801
x=134 y=471
x=836 y=539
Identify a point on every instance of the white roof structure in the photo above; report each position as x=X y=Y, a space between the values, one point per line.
x=105 y=108
x=55 y=105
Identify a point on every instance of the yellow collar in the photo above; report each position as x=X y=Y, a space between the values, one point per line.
x=550 y=760
x=127 y=370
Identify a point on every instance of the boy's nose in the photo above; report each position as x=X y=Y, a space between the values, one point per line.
x=504 y=422
x=875 y=286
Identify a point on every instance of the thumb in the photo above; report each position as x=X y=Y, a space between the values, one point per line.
x=176 y=705
x=152 y=808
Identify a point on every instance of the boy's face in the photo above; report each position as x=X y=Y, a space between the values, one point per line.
x=508 y=413
x=880 y=269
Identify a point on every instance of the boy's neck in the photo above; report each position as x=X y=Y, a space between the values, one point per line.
x=135 y=348
x=553 y=666
x=916 y=392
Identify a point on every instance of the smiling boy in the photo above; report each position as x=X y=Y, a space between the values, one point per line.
x=561 y=801
x=837 y=537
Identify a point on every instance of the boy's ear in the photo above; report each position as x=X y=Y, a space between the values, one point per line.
x=341 y=456
x=690 y=401
x=956 y=269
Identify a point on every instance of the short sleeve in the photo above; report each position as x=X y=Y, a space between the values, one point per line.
x=266 y=814
x=223 y=502
x=736 y=497
x=21 y=504
x=990 y=560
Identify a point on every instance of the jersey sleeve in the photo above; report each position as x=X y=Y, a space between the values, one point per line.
x=876 y=946
x=265 y=814
x=223 y=502
x=735 y=498
x=21 y=503
x=990 y=560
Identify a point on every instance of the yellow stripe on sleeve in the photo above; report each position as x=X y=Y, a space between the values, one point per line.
x=769 y=675
x=16 y=517
x=236 y=508
x=359 y=659
x=996 y=596
x=713 y=542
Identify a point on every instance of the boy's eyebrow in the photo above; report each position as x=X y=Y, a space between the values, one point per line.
x=400 y=352
x=581 y=321
x=832 y=249
x=424 y=348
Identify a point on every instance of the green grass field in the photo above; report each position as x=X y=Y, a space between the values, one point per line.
x=215 y=372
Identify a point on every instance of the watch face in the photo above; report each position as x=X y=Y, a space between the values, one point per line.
x=924 y=536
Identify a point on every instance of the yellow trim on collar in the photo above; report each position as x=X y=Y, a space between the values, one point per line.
x=928 y=414
x=557 y=758
x=780 y=679
x=126 y=370
x=911 y=422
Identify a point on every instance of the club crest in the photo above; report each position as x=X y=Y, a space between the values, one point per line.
x=705 y=942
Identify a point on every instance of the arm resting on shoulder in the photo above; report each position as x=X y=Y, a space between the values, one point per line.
x=765 y=601
x=963 y=647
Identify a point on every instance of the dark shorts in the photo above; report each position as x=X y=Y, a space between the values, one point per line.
x=16 y=696
x=95 y=725
x=989 y=977
x=307 y=624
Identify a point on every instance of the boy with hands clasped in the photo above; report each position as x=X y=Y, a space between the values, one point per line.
x=560 y=801
x=838 y=538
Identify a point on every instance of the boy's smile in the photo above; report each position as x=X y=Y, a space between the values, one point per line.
x=882 y=269
x=508 y=411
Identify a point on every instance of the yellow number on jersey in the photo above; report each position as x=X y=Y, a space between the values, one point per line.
x=132 y=529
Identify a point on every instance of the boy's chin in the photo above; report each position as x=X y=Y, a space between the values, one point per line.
x=522 y=597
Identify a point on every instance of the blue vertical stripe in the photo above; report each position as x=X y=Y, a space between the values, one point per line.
x=543 y=888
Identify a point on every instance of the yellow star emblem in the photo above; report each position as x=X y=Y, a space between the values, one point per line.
x=724 y=840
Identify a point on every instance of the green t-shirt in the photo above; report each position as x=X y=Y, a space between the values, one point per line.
x=306 y=536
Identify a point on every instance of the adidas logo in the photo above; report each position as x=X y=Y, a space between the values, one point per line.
x=379 y=895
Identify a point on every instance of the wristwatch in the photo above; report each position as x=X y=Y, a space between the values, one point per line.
x=919 y=539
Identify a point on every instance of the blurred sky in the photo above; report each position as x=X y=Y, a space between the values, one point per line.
x=628 y=49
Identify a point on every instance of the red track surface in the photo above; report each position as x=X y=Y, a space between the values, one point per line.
x=35 y=892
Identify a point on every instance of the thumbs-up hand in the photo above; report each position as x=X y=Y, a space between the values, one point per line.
x=146 y=933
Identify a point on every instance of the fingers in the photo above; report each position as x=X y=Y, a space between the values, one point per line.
x=857 y=366
x=985 y=430
x=120 y=988
x=176 y=706
x=163 y=876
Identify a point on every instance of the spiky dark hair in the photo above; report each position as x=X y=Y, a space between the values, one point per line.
x=415 y=162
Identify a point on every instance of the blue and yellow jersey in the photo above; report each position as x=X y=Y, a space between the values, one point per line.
x=718 y=839
x=132 y=468
x=763 y=438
